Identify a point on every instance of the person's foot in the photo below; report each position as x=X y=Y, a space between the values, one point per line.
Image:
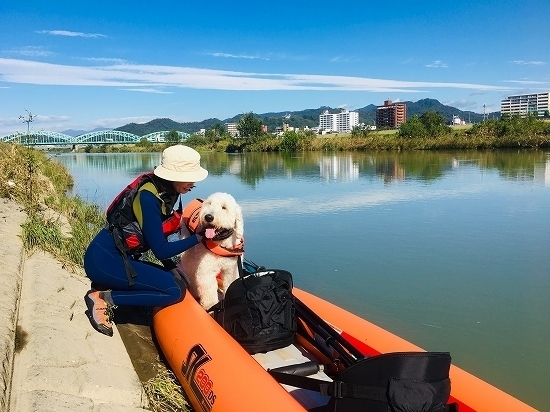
x=99 y=312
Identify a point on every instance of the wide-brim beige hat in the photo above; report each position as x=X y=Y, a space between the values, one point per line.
x=180 y=164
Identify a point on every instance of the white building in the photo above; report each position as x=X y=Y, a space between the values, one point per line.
x=231 y=128
x=342 y=122
x=457 y=120
x=524 y=104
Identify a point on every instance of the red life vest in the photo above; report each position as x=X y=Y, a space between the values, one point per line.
x=190 y=218
x=122 y=220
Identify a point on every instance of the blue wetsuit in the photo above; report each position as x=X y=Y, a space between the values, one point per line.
x=154 y=285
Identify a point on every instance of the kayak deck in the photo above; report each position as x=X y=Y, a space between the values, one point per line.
x=293 y=355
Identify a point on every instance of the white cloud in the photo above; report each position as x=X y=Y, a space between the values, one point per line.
x=237 y=56
x=342 y=59
x=526 y=81
x=10 y=122
x=114 y=122
x=532 y=63
x=30 y=51
x=148 y=91
x=266 y=56
x=438 y=64
x=60 y=123
x=149 y=76
x=50 y=118
x=462 y=104
x=39 y=122
x=105 y=60
x=70 y=33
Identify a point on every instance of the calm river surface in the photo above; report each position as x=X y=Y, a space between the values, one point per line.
x=450 y=250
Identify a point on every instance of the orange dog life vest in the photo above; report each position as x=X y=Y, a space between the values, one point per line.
x=190 y=218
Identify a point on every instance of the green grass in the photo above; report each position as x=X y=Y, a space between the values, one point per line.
x=165 y=393
x=64 y=226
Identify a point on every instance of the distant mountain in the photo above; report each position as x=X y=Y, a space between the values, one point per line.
x=157 y=125
x=74 y=133
x=307 y=117
x=423 y=105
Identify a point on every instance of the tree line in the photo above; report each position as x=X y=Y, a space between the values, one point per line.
x=428 y=131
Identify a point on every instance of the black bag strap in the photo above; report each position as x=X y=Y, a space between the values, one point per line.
x=130 y=271
x=339 y=389
x=240 y=266
x=336 y=389
x=222 y=304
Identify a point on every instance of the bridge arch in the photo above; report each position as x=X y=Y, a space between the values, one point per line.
x=99 y=137
x=38 y=138
x=106 y=137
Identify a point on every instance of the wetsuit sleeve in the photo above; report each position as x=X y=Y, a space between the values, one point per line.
x=152 y=229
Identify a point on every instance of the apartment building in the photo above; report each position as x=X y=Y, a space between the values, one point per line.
x=391 y=114
x=524 y=104
x=231 y=128
x=342 y=122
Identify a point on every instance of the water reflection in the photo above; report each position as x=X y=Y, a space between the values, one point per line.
x=108 y=162
x=338 y=168
x=251 y=168
x=542 y=172
x=389 y=166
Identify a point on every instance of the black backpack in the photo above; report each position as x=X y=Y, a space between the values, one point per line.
x=258 y=310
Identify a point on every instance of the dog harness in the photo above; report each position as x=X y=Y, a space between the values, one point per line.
x=190 y=217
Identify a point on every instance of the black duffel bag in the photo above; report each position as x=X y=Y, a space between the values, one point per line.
x=391 y=382
x=396 y=382
x=258 y=310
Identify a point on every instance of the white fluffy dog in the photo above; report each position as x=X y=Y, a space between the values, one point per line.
x=210 y=266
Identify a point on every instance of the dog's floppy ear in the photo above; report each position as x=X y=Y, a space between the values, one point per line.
x=239 y=223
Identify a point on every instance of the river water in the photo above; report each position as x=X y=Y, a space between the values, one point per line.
x=449 y=250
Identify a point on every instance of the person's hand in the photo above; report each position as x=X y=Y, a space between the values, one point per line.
x=178 y=274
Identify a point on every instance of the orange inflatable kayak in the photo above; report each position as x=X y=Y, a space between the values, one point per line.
x=218 y=375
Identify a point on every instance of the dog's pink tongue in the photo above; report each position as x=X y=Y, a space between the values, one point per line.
x=210 y=233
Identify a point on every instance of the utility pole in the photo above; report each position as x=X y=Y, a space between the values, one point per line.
x=31 y=164
x=30 y=117
x=484 y=114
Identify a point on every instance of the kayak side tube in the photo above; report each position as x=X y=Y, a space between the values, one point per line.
x=470 y=392
x=216 y=373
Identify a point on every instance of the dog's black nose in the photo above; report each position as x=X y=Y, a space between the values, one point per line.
x=209 y=218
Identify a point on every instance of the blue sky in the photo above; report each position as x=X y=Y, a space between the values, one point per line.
x=88 y=64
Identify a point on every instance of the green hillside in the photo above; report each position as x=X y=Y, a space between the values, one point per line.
x=307 y=117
